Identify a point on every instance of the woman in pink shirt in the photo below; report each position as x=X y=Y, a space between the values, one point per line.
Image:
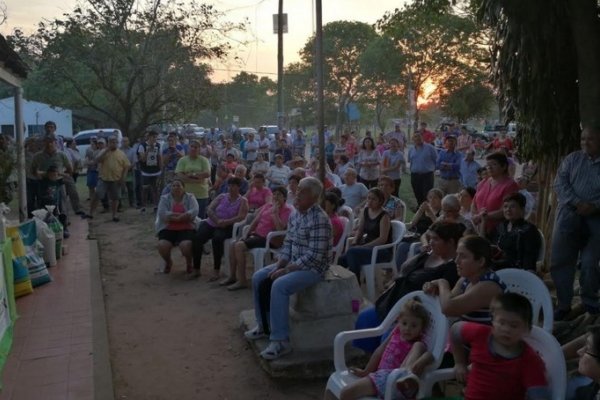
x=259 y=194
x=272 y=216
x=486 y=209
x=332 y=203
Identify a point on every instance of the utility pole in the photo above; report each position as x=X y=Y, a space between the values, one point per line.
x=280 y=112
x=320 y=99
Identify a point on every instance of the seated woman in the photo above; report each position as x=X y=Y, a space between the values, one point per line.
x=258 y=195
x=465 y=196
x=273 y=216
x=518 y=241
x=392 y=204
x=175 y=224
x=332 y=203
x=260 y=166
x=224 y=211
x=427 y=213
x=586 y=385
x=438 y=263
x=374 y=229
x=343 y=210
x=471 y=296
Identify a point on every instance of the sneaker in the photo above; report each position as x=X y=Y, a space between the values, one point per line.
x=408 y=385
x=276 y=349
x=560 y=314
x=255 y=333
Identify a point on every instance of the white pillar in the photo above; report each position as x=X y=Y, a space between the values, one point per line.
x=21 y=177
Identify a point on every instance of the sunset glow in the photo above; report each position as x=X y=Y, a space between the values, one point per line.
x=427 y=91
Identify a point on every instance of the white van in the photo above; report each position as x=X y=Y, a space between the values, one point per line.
x=83 y=138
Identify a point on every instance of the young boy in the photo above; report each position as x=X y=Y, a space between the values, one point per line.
x=503 y=366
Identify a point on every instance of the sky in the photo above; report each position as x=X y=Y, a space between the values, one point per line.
x=259 y=55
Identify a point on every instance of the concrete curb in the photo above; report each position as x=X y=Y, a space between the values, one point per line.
x=103 y=381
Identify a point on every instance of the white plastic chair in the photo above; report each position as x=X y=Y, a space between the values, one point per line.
x=542 y=253
x=528 y=284
x=544 y=344
x=403 y=211
x=236 y=234
x=398 y=231
x=259 y=254
x=435 y=339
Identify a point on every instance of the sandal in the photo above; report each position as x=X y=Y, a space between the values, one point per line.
x=227 y=282
x=276 y=349
x=237 y=286
x=255 y=333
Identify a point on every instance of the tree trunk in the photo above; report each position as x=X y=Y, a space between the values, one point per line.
x=586 y=33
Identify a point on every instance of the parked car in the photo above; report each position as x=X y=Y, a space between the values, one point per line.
x=272 y=130
x=83 y=138
x=492 y=130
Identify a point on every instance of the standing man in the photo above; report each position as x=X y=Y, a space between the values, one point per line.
x=428 y=136
x=468 y=170
x=422 y=158
x=194 y=171
x=71 y=190
x=299 y=143
x=392 y=163
x=251 y=149
x=92 y=166
x=263 y=144
x=398 y=135
x=448 y=162
x=150 y=168
x=303 y=260
x=128 y=185
x=577 y=226
x=113 y=169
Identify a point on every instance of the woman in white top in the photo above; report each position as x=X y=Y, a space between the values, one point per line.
x=260 y=166
x=278 y=174
x=369 y=160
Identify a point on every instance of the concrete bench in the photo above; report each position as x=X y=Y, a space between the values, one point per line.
x=320 y=312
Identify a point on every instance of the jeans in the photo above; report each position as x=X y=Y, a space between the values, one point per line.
x=356 y=257
x=283 y=287
x=575 y=237
x=205 y=233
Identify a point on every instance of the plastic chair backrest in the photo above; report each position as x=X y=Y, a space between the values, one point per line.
x=403 y=210
x=338 y=249
x=398 y=231
x=529 y=285
x=548 y=348
x=542 y=253
x=437 y=332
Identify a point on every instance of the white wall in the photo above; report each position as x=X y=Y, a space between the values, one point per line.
x=35 y=113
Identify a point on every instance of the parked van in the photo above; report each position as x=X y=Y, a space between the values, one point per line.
x=83 y=138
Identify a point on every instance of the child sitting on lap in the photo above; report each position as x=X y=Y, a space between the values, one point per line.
x=503 y=366
x=403 y=348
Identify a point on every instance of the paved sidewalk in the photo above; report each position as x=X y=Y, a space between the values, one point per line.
x=53 y=349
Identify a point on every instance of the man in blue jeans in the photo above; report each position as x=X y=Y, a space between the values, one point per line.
x=577 y=225
x=303 y=260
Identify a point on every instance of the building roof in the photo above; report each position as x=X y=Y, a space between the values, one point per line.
x=11 y=60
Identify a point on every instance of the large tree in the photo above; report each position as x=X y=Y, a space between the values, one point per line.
x=343 y=44
x=135 y=63
x=439 y=47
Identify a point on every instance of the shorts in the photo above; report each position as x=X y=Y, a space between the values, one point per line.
x=175 y=237
x=92 y=179
x=255 y=242
x=149 y=180
x=110 y=188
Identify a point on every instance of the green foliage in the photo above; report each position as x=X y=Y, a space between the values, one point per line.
x=135 y=63
x=535 y=72
x=437 y=45
x=469 y=101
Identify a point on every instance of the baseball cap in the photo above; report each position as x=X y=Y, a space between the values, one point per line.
x=102 y=140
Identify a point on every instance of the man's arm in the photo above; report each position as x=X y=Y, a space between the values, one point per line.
x=562 y=183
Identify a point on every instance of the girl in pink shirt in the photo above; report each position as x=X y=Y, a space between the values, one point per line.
x=259 y=194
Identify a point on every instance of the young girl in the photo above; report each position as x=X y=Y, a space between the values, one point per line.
x=403 y=348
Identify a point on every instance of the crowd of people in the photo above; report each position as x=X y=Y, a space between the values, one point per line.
x=471 y=218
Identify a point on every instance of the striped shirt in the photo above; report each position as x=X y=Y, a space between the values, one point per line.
x=308 y=240
x=483 y=315
x=578 y=180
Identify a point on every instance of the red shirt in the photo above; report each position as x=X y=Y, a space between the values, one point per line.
x=506 y=143
x=491 y=197
x=493 y=377
x=179 y=226
x=428 y=136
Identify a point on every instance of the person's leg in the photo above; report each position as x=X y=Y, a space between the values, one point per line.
x=240 y=262
x=186 y=251
x=202 y=204
x=164 y=249
x=397 y=183
x=416 y=187
x=231 y=278
x=218 y=246
x=201 y=236
x=566 y=242
x=362 y=387
x=130 y=193
x=589 y=278
x=283 y=288
x=428 y=180
x=264 y=304
x=137 y=177
x=113 y=196
x=258 y=277
x=71 y=192
x=144 y=190
x=356 y=257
